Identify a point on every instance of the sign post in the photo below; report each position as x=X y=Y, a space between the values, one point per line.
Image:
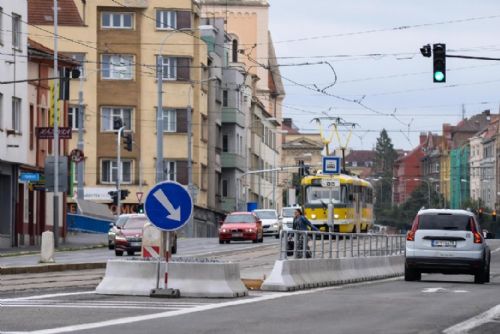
x=169 y=206
x=331 y=166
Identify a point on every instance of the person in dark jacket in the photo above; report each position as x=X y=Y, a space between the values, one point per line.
x=301 y=223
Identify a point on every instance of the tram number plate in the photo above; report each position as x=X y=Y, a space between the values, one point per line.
x=330 y=183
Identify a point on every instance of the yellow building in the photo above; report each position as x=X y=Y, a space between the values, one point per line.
x=118 y=43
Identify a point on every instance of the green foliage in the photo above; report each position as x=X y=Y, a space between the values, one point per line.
x=385 y=155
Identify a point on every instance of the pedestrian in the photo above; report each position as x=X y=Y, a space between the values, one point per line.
x=301 y=223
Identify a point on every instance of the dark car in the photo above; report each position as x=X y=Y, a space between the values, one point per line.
x=128 y=237
x=239 y=226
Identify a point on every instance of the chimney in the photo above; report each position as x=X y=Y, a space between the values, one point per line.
x=288 y=122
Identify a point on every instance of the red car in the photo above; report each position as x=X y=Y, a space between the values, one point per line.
x=241 y=226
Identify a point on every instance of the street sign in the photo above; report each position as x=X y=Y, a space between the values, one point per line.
x=63 y=173
x=331 y=165
x=77 y=155
x=139 y=195
x=330 y=183
x=168 y=206
x=48 y=133
x=29 y=177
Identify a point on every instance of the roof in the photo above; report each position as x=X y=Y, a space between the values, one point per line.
x=361 y=155
x=446 y=211
x=41 y=12
x=40 y=51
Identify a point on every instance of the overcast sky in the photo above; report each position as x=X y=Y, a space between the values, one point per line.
x=398 y=81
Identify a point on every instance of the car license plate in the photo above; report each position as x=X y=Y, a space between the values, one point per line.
x=135 y=244
x=237 y=235
x=444 y=243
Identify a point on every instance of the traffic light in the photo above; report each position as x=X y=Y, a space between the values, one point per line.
x=114 y=196
x=480 y=214
x=65 y=75
x=127 y=141
x=439 y=62
x=117 y=123
x=124 y=193
x=494 y=216
x=301 y=168
x=140 y=208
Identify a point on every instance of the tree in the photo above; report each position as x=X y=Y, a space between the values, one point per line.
x=385 y=155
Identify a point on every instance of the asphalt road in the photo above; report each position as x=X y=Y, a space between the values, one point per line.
x=437 y=303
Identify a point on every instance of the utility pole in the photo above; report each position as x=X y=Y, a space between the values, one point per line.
x=79 y=168
x=159 y=120
x=56 y=133
x=119 y=176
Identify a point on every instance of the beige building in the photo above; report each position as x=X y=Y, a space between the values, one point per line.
x=118 y=46
x=247 y=24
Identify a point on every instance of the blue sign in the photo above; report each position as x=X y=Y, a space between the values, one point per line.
x=168 y=206
x=331 y=165
x=29 y=177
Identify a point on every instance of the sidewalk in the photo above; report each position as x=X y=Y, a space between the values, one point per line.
x=74 y=241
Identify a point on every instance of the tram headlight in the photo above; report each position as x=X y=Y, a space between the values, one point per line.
x=336 y=216
x=313 y=216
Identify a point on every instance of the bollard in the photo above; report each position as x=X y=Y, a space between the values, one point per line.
x=337 y=245
x=47 y=248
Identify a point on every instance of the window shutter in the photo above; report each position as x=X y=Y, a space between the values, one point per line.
x=182 y=172
x=181 y=120
x=183 y=69
x=183 y=20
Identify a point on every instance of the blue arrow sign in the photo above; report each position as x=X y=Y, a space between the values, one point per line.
x=331 y=165
x=168 y=206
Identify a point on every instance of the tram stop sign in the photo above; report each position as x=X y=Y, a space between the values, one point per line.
x=168 y=206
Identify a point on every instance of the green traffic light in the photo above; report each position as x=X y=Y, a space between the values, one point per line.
x=438 y=76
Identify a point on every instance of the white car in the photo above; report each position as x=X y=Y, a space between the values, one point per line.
x=447 y=242
x=287 y=215
x=270 y=221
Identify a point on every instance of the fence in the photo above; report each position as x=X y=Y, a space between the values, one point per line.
x=337 y=245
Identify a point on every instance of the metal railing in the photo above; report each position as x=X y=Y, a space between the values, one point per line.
x=338 y=245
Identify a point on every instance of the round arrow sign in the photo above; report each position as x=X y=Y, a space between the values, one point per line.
x=168 y=206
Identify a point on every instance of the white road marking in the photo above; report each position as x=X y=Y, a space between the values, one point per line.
x=433 y=290
x=170 y=314
x=496 y=250
x=474 y=322
x=50 y=296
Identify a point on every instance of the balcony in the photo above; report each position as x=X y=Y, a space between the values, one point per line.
x=233 y=160
x=233 y=116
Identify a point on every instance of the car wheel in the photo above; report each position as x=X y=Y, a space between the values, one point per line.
x=479 y=277
x=130 y=253
x=412 y=275
x=487 y=274
x=110 y=245
x=228 y=241
x=261 y=240
x=118 y=253
x=256 y=240
x=221 y=241
x=277 y=236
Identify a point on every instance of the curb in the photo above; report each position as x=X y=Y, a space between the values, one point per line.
x=45 y=268
x=64 y=249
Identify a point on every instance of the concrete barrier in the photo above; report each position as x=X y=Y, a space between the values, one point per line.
x=47 y=248
x=288 y=275
x=131 y=277
x=212 y=280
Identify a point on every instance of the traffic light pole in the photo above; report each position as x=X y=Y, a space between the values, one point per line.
x=55 y=227
x=119 y=176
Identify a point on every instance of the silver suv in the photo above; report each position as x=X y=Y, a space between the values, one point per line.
x=448 y=242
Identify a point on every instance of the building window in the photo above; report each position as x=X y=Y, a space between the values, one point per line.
x=204 y=177
x=16 y=114
x=169 y=120
x=204 y=128
x=110 y=114
x=225 y=98
x=16 y=31
x=112 y=20
x=224 y=188
x=80 y=59
x=109 y=171
x=225 y=143
x=166 y=19
x=117 y=67
x=73 y=117
x=169 y=68
x=170 y=170
x=235 y=51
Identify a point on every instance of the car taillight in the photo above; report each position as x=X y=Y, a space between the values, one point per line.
x=478 y=238
x=411 y=234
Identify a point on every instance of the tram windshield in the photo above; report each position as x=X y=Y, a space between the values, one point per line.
x=320 y=195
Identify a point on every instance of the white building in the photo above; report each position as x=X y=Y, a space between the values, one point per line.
x=14 y=114
x=476 y=155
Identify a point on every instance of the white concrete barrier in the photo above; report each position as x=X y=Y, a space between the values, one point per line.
x=296 y=274
x=212 y=280
x=47 y=247
x=131 y=277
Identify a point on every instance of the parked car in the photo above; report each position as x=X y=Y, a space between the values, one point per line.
x=128 y=237
x=115 y=227
x=287 y=215
x=447 y=242
x=241 y=226
x=271 y=224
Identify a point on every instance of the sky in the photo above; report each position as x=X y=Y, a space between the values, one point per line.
x=383 y=81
